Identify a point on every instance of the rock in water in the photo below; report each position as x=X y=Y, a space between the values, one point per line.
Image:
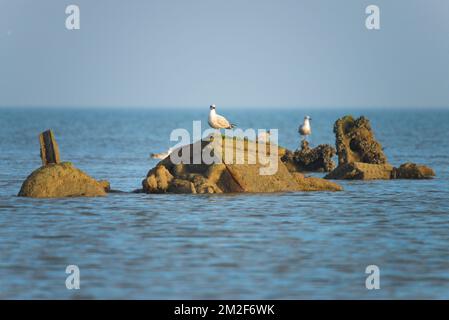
x=158 y=180
x=412 y=171
x=361 y=157
x=229 y=176
x=356 y=143
x=318 y=159
x=106 y=186
x=361 y=171
x=181 y=186
x=61 y=180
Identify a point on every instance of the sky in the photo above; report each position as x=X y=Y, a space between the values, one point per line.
x=233 y=53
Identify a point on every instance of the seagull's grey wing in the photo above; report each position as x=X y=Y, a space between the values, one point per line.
x=222 y=122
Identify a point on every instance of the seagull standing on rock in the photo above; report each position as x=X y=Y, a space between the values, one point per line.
x=218 y=122
x=305 y=129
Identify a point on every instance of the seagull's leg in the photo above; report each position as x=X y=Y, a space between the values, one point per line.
x=215 y=135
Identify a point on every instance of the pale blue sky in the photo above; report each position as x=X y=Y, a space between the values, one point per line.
x=233 y=53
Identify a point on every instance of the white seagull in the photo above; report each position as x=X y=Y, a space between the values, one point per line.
x=305 y=129
x=162 y=155
x=218 y=122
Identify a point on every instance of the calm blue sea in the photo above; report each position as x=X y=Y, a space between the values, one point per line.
x=245 y=246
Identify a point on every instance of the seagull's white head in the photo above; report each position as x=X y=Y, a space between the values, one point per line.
x=307 y=118
x=212 y=107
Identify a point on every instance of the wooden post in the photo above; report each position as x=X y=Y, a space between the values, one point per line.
x=49 y=148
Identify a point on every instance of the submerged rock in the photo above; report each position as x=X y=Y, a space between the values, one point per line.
x=228 y=175
x=412 y=171
x=367 y=171
x=361 y=171
x=318 y=159
x=355 y=142
x=106 y=186
x=61 y=180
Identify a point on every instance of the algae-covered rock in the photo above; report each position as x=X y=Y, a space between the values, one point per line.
x=360 y=156
x=355 y=142
x=317 y=159
x=235 y=169
x=412 y=171
x=61 y=180
x=361 y=171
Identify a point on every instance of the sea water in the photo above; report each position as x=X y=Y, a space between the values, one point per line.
x=242 y=246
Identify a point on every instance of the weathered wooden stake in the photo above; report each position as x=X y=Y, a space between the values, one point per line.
x=49 y=148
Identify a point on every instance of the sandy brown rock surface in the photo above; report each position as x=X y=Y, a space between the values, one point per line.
x=361 y=171
x=61 y=180
x=228 y=176
x=412 y=171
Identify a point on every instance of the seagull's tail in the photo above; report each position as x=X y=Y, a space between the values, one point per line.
x=232 y=126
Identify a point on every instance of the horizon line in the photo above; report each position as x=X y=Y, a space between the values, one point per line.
x=324 y=107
